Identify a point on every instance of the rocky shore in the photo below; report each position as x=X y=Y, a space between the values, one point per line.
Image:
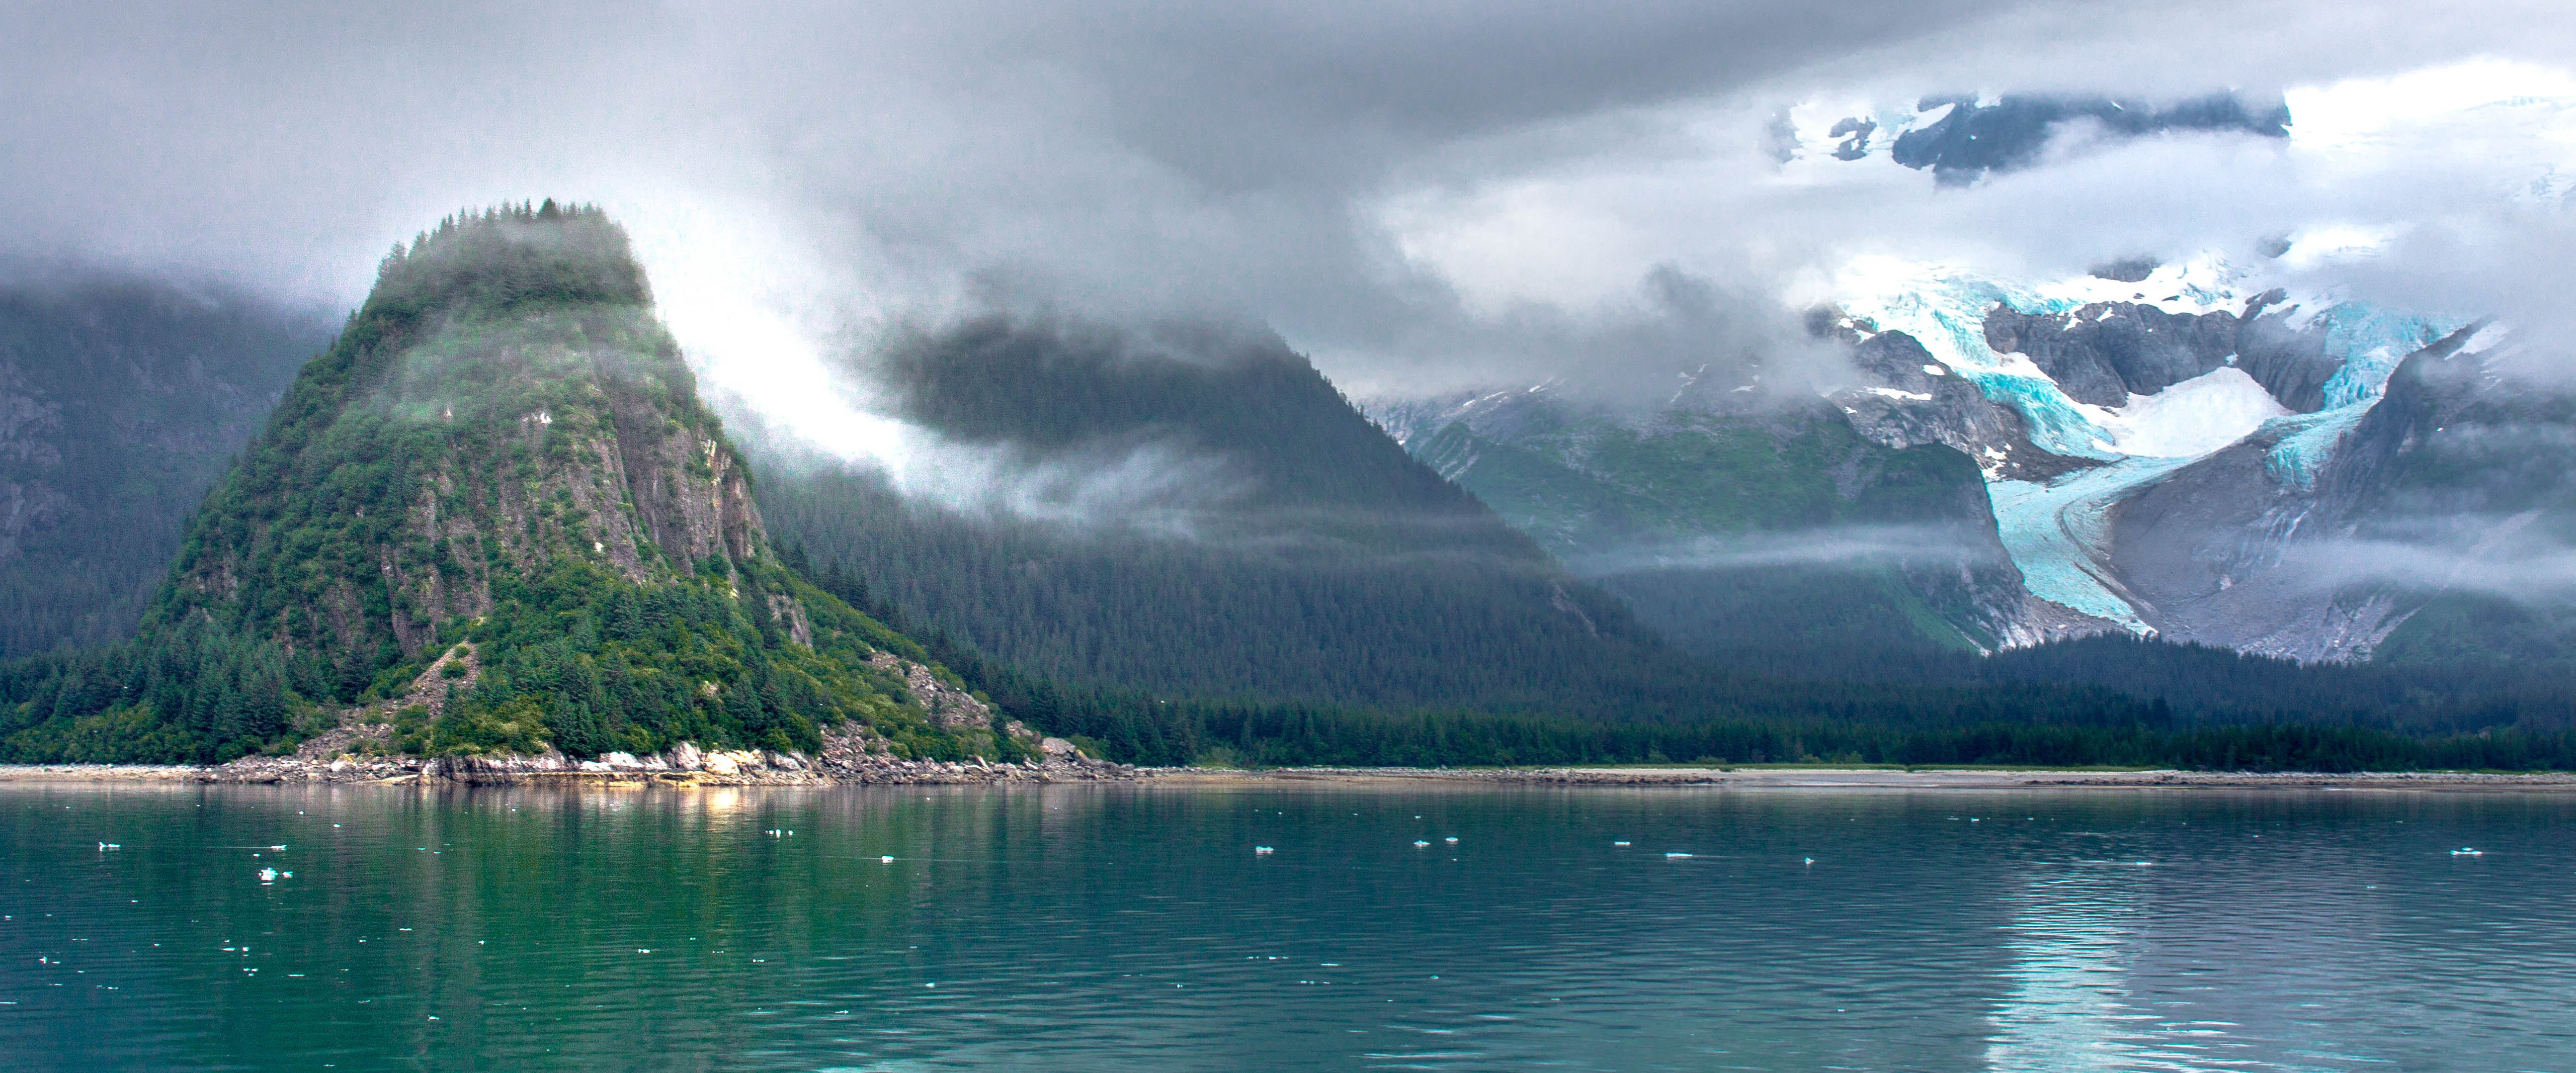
x=353 y=754
x=845 y=762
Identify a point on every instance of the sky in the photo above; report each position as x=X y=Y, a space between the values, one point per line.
x=1420 y=196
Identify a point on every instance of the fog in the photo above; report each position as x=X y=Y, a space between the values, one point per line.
x=1846 y=546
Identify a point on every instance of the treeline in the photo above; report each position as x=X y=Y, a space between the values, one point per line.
x=196 y=695
x=2051 y=724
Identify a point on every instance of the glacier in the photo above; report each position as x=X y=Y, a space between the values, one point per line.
x=2058 y=534
x=2057 y=531
x=1944 y=308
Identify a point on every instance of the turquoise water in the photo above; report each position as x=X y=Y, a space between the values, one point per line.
x=1128 y=928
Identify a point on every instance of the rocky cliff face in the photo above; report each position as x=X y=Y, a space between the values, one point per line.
x=454 y=436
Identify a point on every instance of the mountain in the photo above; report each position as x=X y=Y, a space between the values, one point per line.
x=2431 y=535
x=2155 y=446
x=1198 y=513
x=495 y=513
x=1767 y=535
x=122 y=398
x=2180 y=451
x=1961 y=138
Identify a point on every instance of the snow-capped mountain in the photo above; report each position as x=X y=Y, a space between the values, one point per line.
x=2177 y=450
x=2225 y=447
x=2108 y=388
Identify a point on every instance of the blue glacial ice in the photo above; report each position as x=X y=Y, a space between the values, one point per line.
x=2058 y=533
x=2370 y=341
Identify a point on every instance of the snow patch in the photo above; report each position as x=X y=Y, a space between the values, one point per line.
x=2194 y=417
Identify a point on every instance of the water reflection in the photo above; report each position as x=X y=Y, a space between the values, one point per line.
x=2069 y=940
x=1135 y=928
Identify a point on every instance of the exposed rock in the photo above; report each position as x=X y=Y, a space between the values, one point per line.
x=950 y=707
x=2107 y=351
x=1904 y=403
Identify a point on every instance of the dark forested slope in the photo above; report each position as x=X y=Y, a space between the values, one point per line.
x=1301 y=555
x=121 y=401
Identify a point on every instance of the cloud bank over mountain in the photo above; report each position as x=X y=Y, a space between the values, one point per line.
x=1420 y=197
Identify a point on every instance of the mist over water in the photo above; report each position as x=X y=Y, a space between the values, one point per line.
x=1138 y=928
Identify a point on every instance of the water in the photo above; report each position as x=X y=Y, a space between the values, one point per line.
x=1125 y=928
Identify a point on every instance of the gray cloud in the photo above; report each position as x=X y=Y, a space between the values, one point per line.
x=1269 y=162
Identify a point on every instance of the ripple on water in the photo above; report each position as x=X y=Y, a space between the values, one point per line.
x=1126 y=928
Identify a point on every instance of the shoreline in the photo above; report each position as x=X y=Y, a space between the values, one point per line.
x=751 y=770
x=1823 y=778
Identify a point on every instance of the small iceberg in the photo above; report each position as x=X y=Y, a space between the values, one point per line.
x=1260 y=849
x=1618 y=843
x=2465 y=851
x=268 y=875
x=1672 y=856
x=106 y=846
x=888 y=858
x=1451 y=838
x=1420 y=842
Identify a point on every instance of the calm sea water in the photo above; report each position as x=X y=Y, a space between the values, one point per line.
x=1137 y=928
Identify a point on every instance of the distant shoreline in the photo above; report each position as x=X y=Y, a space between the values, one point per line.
x=1640 y=777
x=1887 y=778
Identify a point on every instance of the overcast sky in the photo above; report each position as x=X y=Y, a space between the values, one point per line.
x=1419 y=195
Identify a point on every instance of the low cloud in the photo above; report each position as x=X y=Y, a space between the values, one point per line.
x=1856 y=547
x=2502 y=557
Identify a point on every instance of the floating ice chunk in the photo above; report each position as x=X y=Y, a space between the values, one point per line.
x=1261 y=849
x=1674 y=856
x=1618 y=843
x=888 y=858
x=1421 y=842
x=268 y=875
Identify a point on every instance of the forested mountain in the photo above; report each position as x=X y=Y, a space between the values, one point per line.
x=1303 y=555
x=121 y=401
x=496 y=497
x=1766 y=535
x=1332 y=577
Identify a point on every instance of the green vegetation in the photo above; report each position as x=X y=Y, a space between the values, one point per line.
x=2282 y=717
x=499 y=483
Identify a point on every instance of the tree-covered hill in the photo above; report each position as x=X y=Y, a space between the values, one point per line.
x=497 y=494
